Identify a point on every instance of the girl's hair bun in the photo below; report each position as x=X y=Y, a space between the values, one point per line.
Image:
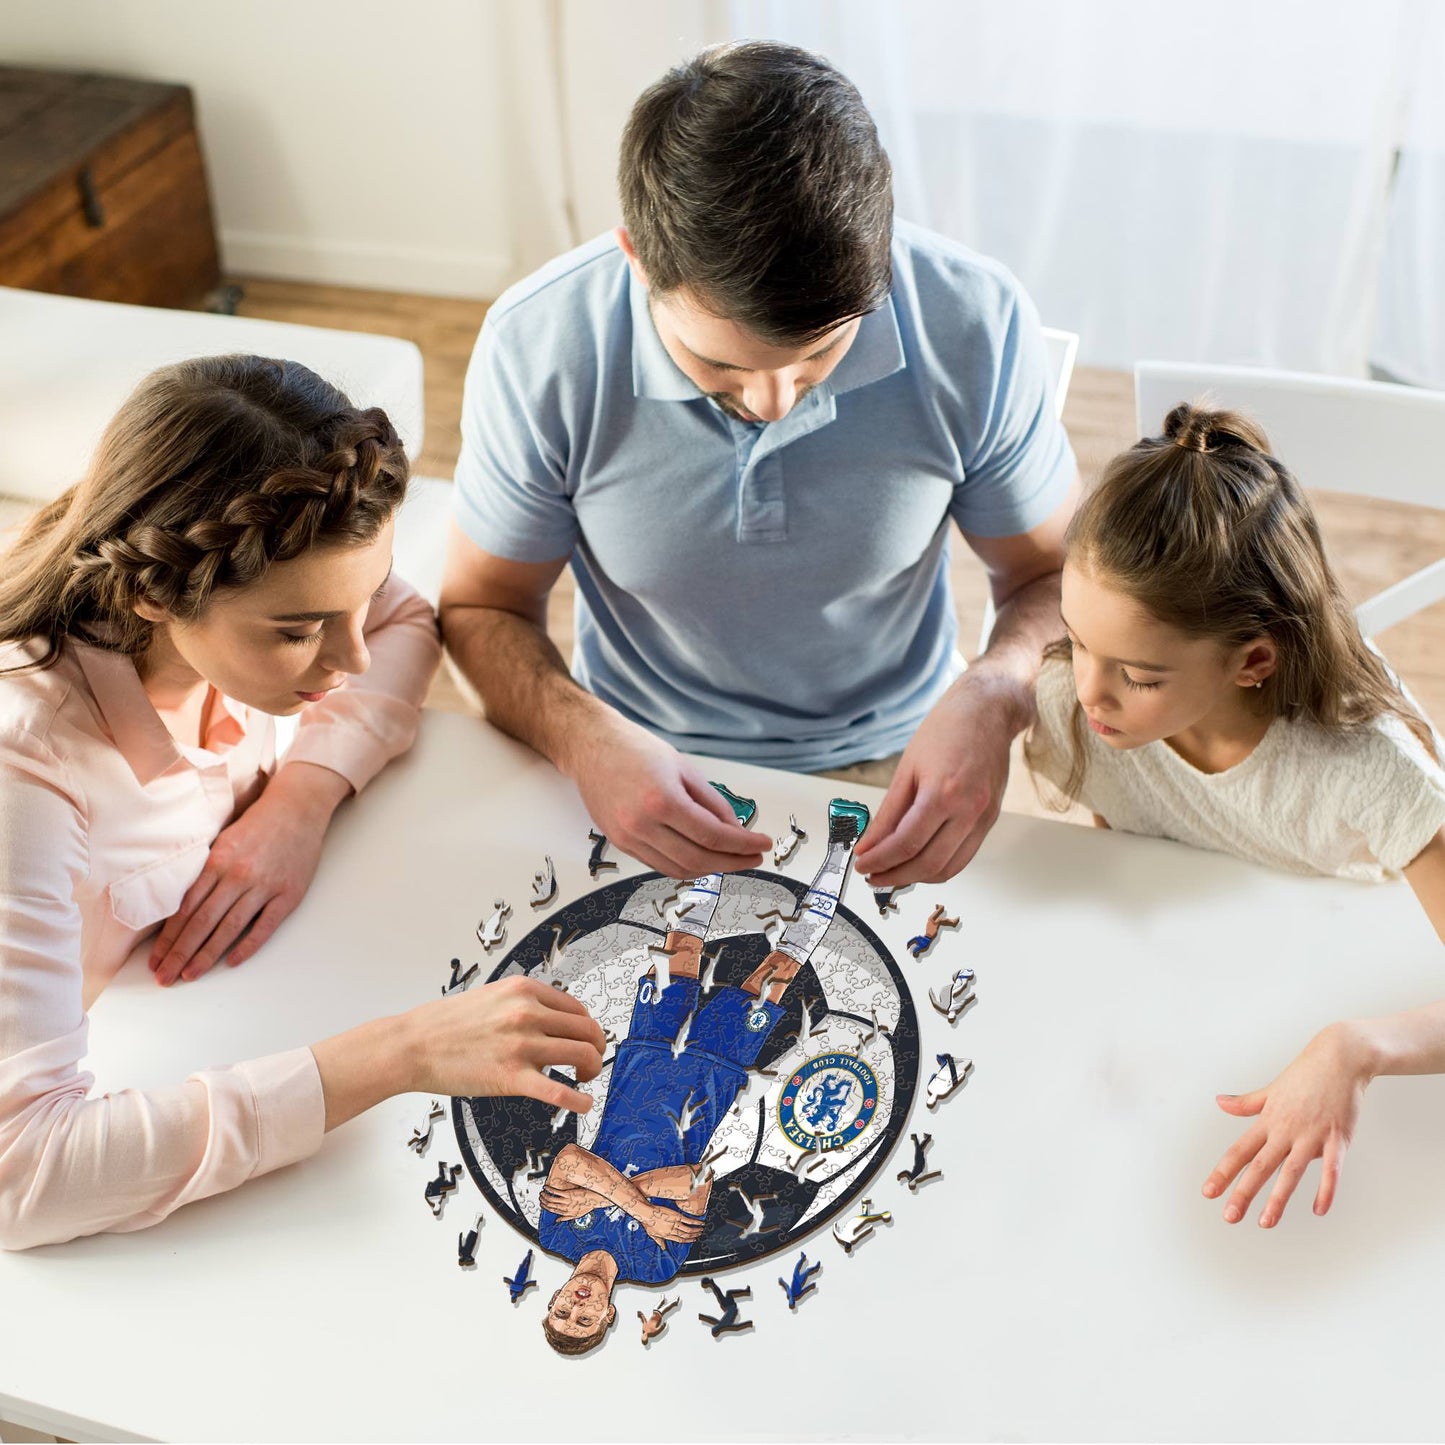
x=1201 y=429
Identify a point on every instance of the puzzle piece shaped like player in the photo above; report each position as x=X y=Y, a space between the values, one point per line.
x=640 y=1225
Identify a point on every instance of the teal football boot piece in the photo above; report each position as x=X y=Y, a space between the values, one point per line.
x=745 y=809
x=846 y=821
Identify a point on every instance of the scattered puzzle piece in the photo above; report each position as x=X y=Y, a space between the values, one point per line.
x=440 y=1189
x=860 y=1227
x=467 y=1246
x=948 y=1078
x=726 y=1320
x=954 y=999
x=459 y=982
x=491 y=932
x=544 y=883
x=916 y=1176
x=654 y=1324
x=420 y=1138
x=924 y=941
x=596 y=863
x=784 y=847
x=522 y=1281
x=801 y=1285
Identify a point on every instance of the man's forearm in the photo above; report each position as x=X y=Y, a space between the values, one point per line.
x=522 y=680
x=1026 y=624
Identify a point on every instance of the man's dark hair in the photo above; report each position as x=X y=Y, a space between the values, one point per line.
x=753 y=175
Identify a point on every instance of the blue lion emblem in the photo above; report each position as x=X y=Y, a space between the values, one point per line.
x=828 y=1102
x=823 y=1104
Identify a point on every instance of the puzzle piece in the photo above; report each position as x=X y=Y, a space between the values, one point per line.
x=860 y=1227
x=596 y=863
x=801 y=1285
x=467 y=1246
x=948 y=1078
x=544 y=883
x=727 y=1319
x=915 y=1176
x=459 y=982
x=420 y=1138
x=440 y=1189
x=491 y=932
x=784 y=847
x=744 y=809
x=953 y=1000
x=654 y=1324
x=924 y=941
x=522 y=1281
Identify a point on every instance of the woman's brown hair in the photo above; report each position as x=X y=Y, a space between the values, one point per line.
x=212 y=470
x=1210 y=533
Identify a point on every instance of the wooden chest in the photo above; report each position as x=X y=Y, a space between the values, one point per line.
x=103 y=190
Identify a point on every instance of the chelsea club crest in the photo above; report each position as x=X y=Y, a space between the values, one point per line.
x=828 y=1102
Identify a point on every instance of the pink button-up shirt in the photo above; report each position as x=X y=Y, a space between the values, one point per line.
x=105 y=821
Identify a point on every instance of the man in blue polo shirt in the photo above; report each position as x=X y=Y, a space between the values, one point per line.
x=749 y=420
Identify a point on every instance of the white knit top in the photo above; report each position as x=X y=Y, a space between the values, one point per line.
x=1308 y=799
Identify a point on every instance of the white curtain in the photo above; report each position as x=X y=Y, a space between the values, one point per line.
x=1256 y=181
x=1182 y=182
x=571 y=71
x=1409 y=340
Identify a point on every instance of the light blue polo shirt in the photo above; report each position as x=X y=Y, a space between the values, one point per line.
x=775 y=593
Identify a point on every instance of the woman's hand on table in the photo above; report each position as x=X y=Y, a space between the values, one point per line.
x=501 y=1038
x=258 y=871
x=1309 y=1112
x=657 y=806
x=494 y=1039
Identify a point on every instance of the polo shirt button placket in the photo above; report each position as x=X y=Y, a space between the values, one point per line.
x=762 y=509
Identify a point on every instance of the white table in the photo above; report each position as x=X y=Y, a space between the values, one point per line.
x=1065 y=1278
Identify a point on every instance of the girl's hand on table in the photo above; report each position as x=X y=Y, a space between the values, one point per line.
x=1309 y=1112
x=258 y=871
x=501 y=1038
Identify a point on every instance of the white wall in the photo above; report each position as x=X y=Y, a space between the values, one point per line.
x=441 y=146
x=359 y=142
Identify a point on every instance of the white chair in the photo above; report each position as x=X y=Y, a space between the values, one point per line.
x=1366 y=438
x=1061 y=348
x=66 y=365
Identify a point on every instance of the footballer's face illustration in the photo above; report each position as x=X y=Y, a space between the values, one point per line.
x=582 y=1307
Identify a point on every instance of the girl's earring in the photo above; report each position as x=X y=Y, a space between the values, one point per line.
x=1260 y=683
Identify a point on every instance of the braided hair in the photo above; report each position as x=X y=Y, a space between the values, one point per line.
x=212 y=470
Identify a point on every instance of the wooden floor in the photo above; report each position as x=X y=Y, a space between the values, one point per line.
x=1371 y=543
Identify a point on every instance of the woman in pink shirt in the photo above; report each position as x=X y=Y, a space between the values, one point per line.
x=225 y=561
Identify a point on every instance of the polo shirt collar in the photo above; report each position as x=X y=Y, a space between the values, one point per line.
x=135 y=726
x=655 y=375
x=876 y=352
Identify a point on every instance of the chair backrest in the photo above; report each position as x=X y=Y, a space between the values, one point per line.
x=1062 y=347
x=1365 y=438
x=67 y=363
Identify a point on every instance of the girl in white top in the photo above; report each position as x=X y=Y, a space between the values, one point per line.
x=1214 y=688
x=226 y=560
